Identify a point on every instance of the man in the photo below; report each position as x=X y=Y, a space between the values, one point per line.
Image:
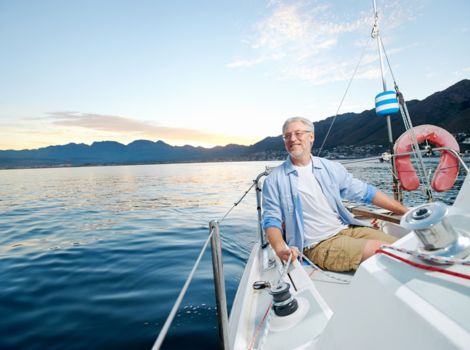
x=303 y=198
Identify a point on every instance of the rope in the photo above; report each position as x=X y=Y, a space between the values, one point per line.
x=424 y=267
x=171 y=316
x=379 y=251
x=284 y=270
x=258 y=328
x=266 y=329
x=268 y=315
x=344 y=96
x=436 y=259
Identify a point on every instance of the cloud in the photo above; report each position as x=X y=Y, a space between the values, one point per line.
x=63 y=127
x=254 y=62
x=314 y=39
x=121 y=125
x=333 y=72
x=285 y=26
x=369 y=74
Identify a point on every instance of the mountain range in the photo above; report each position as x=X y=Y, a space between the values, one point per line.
x=449 y=108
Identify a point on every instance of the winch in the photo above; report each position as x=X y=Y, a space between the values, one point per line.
x=430 y=222
x=284 y=303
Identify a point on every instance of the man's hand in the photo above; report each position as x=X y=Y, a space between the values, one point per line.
x=277 y=243
x=284 y=253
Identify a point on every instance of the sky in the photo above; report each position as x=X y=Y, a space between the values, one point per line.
x=209 y=73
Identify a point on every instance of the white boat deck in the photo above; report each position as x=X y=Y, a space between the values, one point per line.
x=330 y=289
x=388 y=304
x=403 y=307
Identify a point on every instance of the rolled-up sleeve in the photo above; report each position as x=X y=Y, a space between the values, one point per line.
x=352 y=188
x=370 y=194
x=272 y=213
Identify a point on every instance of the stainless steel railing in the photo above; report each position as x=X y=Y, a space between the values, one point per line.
x=218 y=271
x=219 y=284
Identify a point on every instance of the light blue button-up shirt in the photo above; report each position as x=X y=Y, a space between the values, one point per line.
x=282 y=204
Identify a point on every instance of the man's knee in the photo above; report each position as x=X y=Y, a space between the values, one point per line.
x=371 y=247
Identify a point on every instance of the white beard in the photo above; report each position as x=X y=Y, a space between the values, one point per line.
x=297 y=154
x=300 y=153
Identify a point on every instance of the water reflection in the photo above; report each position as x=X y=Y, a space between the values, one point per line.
x=102 y=252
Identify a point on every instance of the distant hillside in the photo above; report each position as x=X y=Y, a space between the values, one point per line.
x=110 y=152
x=449 y=109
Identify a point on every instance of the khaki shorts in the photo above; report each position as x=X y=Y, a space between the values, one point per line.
x=343 y=251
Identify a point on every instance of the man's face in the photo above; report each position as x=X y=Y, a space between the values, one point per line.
x=297 y=140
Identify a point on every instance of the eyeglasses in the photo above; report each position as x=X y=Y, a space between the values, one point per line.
x=298 y=134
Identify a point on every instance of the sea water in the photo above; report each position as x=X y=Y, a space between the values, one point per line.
x=94 y=257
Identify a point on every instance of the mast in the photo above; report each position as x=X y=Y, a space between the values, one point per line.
x=397 y=194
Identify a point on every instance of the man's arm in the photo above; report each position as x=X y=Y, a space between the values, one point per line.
x=357 y=190
x=351 y=188
x=272 y=220
x=382 y=200
x=280 y=247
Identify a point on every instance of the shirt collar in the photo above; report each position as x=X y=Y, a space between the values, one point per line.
x=289 y=167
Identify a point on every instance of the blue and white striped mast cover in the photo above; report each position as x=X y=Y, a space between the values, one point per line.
x=386 y=103
x=385 y=98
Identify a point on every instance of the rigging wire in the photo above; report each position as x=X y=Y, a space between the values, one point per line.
x=344 y=95
x=417 y=153
x=179 y=299
x=237 y=202
x=397 y=192
x=409 y=127
x=360 y=160
x=172 y=314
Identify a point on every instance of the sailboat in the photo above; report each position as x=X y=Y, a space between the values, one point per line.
x=414 y=294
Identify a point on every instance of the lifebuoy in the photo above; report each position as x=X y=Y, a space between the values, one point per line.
x=448 y=168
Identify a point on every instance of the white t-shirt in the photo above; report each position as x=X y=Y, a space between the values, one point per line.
x=320 y=220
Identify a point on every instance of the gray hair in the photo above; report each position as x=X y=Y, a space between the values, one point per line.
x=308 y=124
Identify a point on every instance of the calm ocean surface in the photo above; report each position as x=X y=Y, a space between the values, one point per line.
x=94 y=257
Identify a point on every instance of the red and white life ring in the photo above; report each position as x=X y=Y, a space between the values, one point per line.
x=448 y=168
